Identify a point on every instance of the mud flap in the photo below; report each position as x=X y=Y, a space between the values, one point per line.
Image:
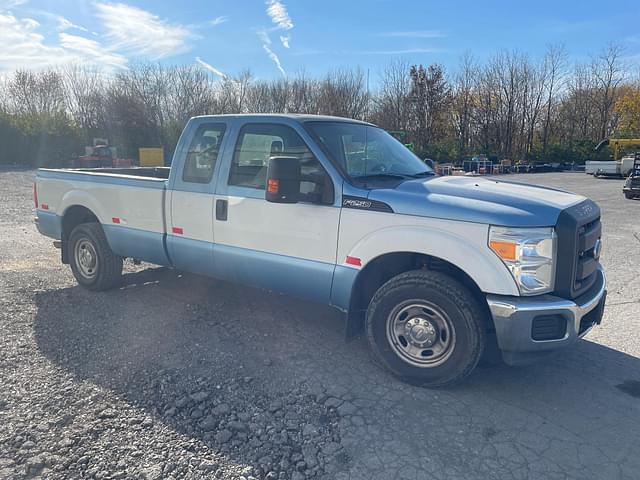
x=354 y=324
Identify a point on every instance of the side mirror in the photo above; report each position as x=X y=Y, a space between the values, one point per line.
x=283 y=180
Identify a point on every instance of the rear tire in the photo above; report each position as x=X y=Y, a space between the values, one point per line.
x=426 y=328
x=92 y=262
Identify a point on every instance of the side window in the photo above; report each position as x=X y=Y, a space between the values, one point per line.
x=203 y=153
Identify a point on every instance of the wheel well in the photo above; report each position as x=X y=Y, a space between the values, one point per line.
x=381 y=269
x=73 y=217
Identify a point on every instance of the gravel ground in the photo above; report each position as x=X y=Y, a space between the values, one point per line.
x=180 y=376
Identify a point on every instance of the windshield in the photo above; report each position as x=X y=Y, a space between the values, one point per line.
x=367 y=151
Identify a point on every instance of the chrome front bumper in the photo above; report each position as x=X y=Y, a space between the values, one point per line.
x=514 y=317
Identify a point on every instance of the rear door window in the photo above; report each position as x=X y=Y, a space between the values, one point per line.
x=203 y=152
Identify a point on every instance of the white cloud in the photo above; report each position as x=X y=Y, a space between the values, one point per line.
x=210 y=68
x=23 y=46
x=65 y=24
x=279 y=15
x=218 y=20
x=264 y=36
x=266 y=45
x=275 y=59
x=139 y=32
x=91 y=49
x=9 y=4
x=414 y=34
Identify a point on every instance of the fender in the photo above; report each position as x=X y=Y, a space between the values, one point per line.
x=82 y=198
x=466 y=249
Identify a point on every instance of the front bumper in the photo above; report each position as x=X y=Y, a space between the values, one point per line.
x=514 y=319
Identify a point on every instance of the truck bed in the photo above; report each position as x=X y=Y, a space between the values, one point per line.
x=129 y=203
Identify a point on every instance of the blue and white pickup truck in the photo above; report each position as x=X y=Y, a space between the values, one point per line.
x=337 y=211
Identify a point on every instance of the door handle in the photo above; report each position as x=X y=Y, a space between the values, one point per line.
x=222 y=208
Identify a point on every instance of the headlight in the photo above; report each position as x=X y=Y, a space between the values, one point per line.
x=530 y=255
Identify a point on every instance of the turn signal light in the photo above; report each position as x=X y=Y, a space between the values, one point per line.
x=273 y=185
x=505 y=250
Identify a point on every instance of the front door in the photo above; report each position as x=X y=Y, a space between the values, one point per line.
x=289 y=248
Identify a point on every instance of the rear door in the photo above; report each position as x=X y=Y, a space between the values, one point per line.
x=190 y=229
x=289 y=248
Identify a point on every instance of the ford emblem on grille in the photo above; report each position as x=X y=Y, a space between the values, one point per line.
x=597 y=248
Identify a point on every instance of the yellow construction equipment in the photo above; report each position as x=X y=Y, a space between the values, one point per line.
x=617 y=143
x=151 y=157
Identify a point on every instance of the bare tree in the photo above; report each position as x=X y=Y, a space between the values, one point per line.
x=85 y=97
x=578 y=110
x=343 y=93
x=535 y=78
x=304 y=94
x=232 y=93
x=36 y=93
x=392 y=102
x=609 y=72
x=430 y=99
x=555 y=62
x=463 y=102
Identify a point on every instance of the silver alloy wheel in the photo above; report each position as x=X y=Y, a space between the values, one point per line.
x=86 y=258
x=421 y=333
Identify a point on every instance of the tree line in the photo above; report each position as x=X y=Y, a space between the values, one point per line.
x=509 y=107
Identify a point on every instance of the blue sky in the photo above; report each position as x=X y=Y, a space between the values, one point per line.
x=278 y=37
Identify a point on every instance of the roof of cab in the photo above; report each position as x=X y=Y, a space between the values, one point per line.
x=300 y=117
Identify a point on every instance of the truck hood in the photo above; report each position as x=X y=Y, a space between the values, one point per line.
x=478 y=200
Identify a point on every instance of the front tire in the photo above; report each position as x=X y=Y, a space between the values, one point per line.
x=92 y=262
x=426 y=328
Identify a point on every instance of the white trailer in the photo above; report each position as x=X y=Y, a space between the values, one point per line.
x=620 y=168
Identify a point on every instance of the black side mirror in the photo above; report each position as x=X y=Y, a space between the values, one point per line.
x=283 y=180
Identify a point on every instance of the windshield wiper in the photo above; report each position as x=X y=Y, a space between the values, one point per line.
x=426 y=173
x=393 y=176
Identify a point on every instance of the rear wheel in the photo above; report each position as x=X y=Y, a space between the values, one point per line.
x=426 y=328
x=93 y=263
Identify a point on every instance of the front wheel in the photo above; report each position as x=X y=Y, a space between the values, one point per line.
x=426 y=328
x=93 y=263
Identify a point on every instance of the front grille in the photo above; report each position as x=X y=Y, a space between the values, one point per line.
x=578 y=230
x=587 y=266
